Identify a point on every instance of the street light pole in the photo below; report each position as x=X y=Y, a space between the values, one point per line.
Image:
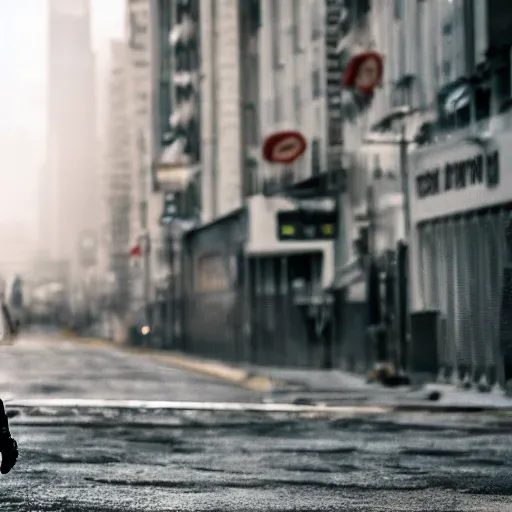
x=144 y=226
x=404 y=177
x=402 y=258
x=147 y=274
x=403 y=280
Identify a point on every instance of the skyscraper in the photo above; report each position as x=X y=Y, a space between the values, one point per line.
x=70 y=198
x=118 y=171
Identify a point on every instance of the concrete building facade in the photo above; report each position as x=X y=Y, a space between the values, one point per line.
x=459 y=193
x=447 y=86
x=72 y=193
x=247 y=95
x=221 y=113
x=141 y=34
x=118 y=175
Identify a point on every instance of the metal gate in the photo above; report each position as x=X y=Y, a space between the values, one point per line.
x=289 y=325
x=461 y=267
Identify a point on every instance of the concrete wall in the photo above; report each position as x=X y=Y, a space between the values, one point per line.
x=221 y=108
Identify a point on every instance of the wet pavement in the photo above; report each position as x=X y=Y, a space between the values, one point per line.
x=40 y=367
x=109 y=458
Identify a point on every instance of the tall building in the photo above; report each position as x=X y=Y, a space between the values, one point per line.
x=141 y=24
x=71 y=195
x=178 y=101
x=221 y=108
x=262 y=74
x=118 y=172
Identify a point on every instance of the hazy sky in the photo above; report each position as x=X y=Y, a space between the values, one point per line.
x=23 y=58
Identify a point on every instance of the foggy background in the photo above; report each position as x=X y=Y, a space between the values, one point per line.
x=23 y=61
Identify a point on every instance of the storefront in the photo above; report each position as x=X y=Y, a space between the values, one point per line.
x=460 y=202
x=290 y=268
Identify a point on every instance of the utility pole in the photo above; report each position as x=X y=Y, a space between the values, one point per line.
x=402 y=266
x=402 y=259
x=404 y=175
x=145 y=238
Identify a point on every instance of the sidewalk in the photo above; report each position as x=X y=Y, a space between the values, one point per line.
x=328 y=387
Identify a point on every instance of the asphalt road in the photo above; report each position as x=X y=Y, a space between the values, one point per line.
x=111 y=459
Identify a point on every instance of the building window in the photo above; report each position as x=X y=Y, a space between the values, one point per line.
x=165 y=111
x=335 y=134
x=398 y=10
x=316 y=19
x=315 y=157
x=276 y=33
x=447 y=70
x=296 y=26
x=251 y=125
x=254 y=15
x=316 y=83
x=316 y=76
x=279 y=96
x=297 y=104
x=278 y=108
x=269 y=107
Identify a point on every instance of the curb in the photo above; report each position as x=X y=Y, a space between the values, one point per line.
x=469 y=409
x=215 y=369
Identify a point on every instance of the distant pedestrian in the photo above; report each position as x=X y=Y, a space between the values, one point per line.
x=7 y=318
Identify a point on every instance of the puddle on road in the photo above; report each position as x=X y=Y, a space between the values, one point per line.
x=434 y=452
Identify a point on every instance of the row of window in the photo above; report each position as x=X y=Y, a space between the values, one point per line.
x=299 y=18
x=276 y=112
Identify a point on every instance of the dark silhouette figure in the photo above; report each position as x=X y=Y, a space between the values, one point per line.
x=16 y=299
x=8 y=445
x=8 y=319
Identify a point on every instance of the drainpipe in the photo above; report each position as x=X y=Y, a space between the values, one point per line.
x=214 y=110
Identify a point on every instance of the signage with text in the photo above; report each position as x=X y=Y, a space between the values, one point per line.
x=301 y=225
x=460 y=175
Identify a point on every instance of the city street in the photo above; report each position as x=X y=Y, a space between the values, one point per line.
x=165 y=458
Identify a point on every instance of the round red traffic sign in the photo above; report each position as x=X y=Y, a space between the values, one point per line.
x=284 y=147
x=364 y=72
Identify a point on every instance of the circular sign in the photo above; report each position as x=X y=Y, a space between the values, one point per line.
x=284 y=147
x=364 y=72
